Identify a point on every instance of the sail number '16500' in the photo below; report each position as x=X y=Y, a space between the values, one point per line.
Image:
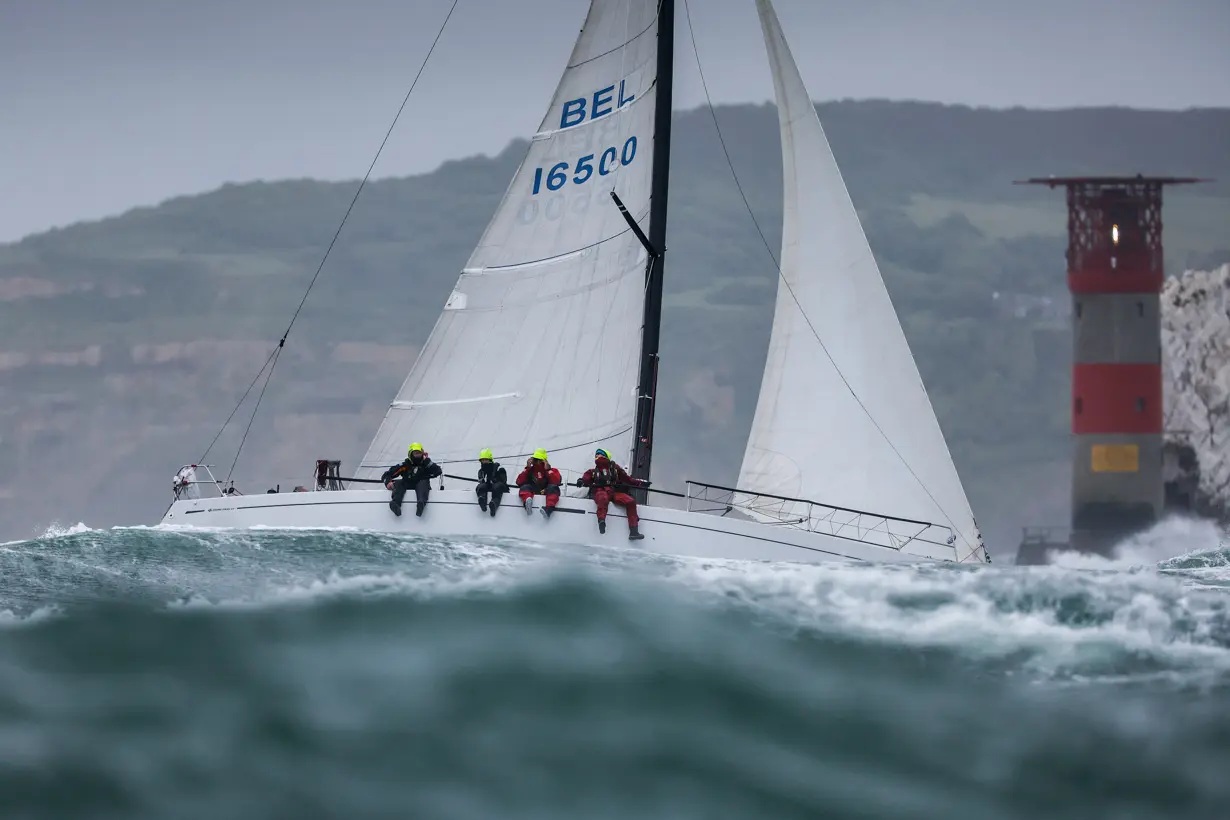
x=557 y=177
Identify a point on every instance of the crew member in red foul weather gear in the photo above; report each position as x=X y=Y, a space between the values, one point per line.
x=539 y=478
x=605 y=482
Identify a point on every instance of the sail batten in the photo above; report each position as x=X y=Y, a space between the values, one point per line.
x=842 y=417
x=546 y=314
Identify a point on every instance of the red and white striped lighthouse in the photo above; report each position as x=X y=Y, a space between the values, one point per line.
x=1115 y=273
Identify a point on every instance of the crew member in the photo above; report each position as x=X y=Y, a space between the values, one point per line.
x=606 y=481
x=539 y=478
x=416 y=471
x=492 y=479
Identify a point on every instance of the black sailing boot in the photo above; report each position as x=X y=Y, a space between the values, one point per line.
x=396 y=508
x=495 y=505
x=601 y=526
x=419 y=507
x=546 y=511
x=482 y=503
x=634 y=534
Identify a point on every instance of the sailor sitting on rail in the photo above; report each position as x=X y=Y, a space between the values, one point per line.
x=493 y=479
x=539 y=478
x=607 y=482
x=416 y=471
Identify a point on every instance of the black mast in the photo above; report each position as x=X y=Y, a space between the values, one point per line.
x=647 y=385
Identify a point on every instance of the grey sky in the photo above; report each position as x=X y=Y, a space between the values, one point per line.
x=109 y=105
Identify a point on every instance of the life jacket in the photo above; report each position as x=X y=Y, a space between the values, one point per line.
x=607 y=476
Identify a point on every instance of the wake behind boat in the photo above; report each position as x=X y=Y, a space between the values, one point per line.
x=846 y=460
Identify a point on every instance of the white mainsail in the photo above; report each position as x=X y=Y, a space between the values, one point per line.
x=811 y=437
x=539 y=343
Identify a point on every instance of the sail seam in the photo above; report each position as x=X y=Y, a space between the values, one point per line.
x=784 y=280
x=521 y=266
x=410 y=405
x=616 y=48
x=558 y=256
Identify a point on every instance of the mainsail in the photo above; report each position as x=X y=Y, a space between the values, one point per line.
x=539 y=343
x=868 y=441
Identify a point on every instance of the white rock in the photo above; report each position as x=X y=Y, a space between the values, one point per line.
x=1196 y=373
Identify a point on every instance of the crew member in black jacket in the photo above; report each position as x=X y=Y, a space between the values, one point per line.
x=416 y=471
x=493 y=479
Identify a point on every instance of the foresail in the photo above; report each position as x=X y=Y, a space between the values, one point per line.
x=539 y=343
x=811 y=438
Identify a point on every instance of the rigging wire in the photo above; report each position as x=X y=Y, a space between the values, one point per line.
x=272 y=361
x=782 y=277
x=276 y=353
x=255 y=379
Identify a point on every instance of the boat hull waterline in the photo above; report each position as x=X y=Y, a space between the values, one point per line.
x=456 y=514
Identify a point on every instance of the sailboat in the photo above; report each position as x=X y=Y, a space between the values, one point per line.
x=550 y=340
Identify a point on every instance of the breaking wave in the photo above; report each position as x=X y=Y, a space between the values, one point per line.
x=153 y=672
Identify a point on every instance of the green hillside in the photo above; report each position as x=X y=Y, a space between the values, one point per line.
x=124 y=343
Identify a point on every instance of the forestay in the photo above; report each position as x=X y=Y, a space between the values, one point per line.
x=810 y=437
x=538 y=345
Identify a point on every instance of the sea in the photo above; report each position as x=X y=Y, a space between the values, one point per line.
x=179 y=673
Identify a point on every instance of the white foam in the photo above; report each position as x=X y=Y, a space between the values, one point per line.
x=56 y=530
x=1059 y=618
x=370 y=585
x=443 y=568
x=9 y=618
x=1173 y=537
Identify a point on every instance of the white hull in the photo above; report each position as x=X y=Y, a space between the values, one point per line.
x=455 y=513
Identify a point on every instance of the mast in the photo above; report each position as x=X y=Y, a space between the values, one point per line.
x=647 y=384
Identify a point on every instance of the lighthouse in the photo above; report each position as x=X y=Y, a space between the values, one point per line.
x=1115 y=275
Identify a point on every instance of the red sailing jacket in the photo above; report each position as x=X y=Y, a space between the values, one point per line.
x=609 y=476
x=539 y=477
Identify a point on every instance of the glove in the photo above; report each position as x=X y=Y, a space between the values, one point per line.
x=580 y=482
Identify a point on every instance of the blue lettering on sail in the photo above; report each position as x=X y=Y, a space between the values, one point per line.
x=574 y=113
x=602 y=98
x=609 y=155
x=594 y=106
x=557 y=176
x=622 y=99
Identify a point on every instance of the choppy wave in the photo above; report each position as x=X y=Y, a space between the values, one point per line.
x=151 y=672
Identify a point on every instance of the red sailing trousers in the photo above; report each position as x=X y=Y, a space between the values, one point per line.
x=552 y=493
x=603 y=496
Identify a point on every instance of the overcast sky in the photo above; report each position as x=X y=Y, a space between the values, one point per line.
x=109 y=104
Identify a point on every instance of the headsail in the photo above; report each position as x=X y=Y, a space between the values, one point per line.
x=811 y=438
x=539 y=343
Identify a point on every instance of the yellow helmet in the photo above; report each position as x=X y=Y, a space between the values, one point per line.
x=415 y=447
x=540 y=454
x=485 y=453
